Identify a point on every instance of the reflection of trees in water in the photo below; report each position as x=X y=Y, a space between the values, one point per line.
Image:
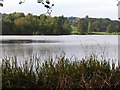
x=76 y=47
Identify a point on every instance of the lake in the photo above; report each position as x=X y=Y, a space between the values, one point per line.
x=72 y=46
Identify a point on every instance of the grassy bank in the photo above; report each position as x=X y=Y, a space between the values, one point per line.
x=75 y=31
x=60 y=74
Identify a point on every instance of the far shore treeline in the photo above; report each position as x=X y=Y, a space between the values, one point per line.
x=18 y=23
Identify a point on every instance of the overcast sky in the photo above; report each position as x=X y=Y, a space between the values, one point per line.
x=78 y=8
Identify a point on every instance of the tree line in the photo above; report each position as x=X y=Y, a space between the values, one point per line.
x=89 y=25
x=18 y=23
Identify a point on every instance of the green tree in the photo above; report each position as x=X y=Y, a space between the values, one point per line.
x=66 y=28
x=110 y=28
x=87 y=22
x=7 y=24
x=7 y=27
x=96 y=25
x=19 y=23
x=16 y=15
x=81 y=28
x=89 y=28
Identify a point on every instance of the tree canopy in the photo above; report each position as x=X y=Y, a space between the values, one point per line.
x=18 y=23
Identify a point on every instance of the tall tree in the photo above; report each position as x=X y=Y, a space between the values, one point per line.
x=66 y=28
x=96 y=24
x=89 y=27
x=81 y=28
x=110 y=28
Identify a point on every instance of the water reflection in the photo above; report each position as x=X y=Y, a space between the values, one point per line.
x=51 y=46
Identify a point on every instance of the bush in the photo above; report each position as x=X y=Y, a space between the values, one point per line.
x=60 y=74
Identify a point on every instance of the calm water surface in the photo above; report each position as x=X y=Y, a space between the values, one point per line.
x=72 y=46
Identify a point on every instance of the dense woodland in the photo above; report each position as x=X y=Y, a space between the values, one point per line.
x=18 y=23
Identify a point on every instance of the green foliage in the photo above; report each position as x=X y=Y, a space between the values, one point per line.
x=89 y=27
x=60 y=74
x=66 y=27
x=96 y=25
x=110 y=28
x=74 y=30
x=82 y=28
x=19 y=23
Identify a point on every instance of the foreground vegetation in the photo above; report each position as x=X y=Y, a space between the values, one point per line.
x=18 y=23
x=60 y=74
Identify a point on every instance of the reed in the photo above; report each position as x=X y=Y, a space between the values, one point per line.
x=61 y=74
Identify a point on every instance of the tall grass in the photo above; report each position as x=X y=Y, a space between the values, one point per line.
x=61 y=74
